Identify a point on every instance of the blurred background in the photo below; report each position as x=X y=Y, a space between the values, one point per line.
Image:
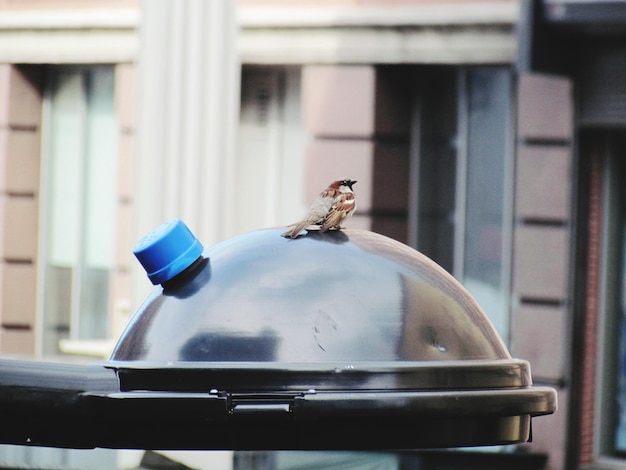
x=488 y=134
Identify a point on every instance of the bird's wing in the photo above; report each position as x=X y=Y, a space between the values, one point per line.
x=320 y=208
x=339 y=211
x=316 y=215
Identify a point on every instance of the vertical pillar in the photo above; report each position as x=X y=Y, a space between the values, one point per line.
x=188 y=85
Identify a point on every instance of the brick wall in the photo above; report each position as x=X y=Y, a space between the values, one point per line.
x=20 y=122
x=125 y=102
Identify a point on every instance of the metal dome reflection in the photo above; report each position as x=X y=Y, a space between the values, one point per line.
x=348 y=295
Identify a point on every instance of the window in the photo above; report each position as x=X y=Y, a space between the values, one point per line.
x=78 y=207
x=619 y=306
x=464 y=172
x=612 y=398
x=270 y=142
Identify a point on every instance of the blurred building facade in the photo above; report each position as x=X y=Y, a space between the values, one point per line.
x=487 y=134
x=67 y=126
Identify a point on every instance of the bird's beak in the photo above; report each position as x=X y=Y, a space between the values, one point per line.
x=352 y=182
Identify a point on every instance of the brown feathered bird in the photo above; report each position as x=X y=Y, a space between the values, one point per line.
x=332 y=207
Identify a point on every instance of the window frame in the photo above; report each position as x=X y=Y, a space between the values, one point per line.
x=608 y=336
x=45 y=214
x=462 y=100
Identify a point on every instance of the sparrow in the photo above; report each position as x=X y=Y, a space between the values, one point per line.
x=333 y=206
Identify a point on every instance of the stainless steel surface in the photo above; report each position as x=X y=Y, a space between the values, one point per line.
x=348 y=295
x=267 y=377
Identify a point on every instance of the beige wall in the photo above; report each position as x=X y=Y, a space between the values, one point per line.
x=125 y=101
x=542 y=285
x=20 y=136
x=53 y=4
x=364 y=2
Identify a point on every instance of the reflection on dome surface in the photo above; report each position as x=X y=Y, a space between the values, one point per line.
x=348 y=295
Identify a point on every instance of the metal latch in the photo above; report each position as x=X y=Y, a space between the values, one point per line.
x=264 y=405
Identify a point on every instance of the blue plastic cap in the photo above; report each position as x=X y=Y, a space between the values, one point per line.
x=167 y=251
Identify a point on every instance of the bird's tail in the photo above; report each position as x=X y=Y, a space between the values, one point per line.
x=296 y=229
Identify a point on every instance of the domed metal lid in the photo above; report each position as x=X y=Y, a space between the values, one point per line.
x=348 y=295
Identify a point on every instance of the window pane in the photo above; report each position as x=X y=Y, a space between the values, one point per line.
x=94 y=302
x=463 y=160
x=100 y=167
x=610 y=147
x=616 y=287
x=58 y=305
x=65 y=167
x=620 y=438
x=99 y=201
x=437 y=167
x=488 y=96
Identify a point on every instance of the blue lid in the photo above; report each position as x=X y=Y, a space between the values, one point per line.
x=167 y=251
